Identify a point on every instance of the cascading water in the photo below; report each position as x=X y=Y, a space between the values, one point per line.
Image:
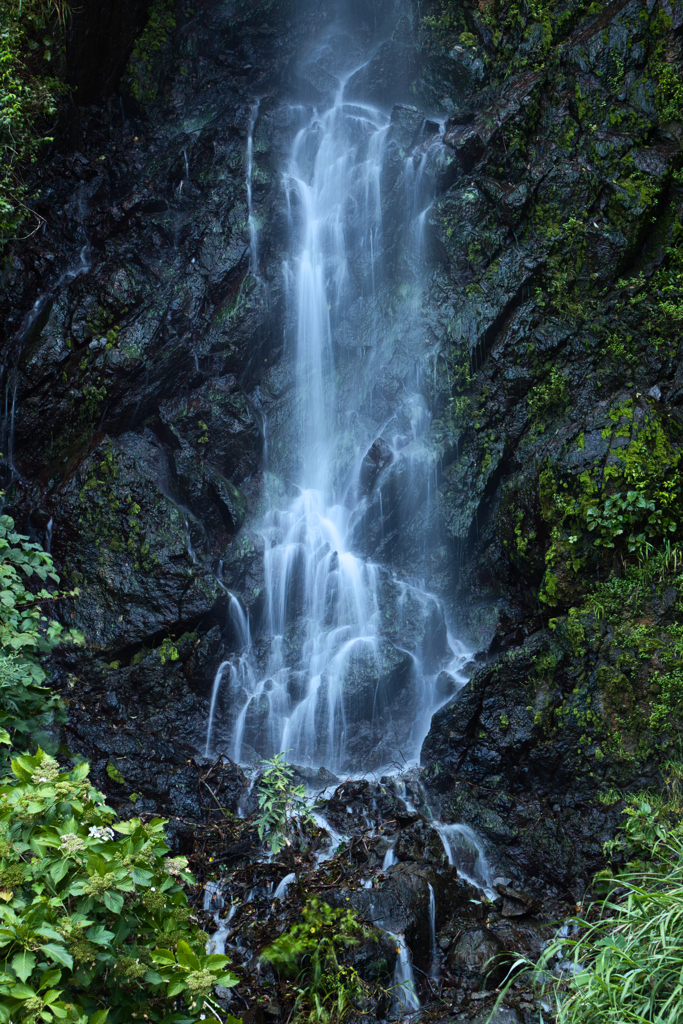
x=404 y=990
x=350 y=648
x=251 y=219
x=433 y=951
x=465 y=851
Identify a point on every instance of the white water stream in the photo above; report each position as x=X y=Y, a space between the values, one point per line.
x=327 y=673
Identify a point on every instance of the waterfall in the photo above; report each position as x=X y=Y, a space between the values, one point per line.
x=389 y=859
x=214 y=902
x=465 y=851
x=433 y=952
x=343 y=632
x=405 y=993
x=283 y=885
x=239 y=669
x=251 y=220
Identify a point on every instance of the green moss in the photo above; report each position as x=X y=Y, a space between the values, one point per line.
x=115 y=775
x=145 y=66
x=550 y=395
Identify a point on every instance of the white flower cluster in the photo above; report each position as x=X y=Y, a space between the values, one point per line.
x=174 y=865
x=47 y=772
x=101 y=832
x=71 y=843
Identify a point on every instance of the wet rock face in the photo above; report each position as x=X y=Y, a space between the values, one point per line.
x=522 y=752
x=503 y=757
x=498 y=261
x=477 y=958
x=144 y=350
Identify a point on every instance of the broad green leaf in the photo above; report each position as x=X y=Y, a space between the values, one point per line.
x=100 y=935
x=98 y=1017
x=227 y=980
x=152 y=977
x=22 y=772
x=23 y=964
x=142 y=877
x=80 y=772
x=126 y=828
x=21 y=991
x=113 y=901
x=186 y=957
x=59 y=869
x=51 y=996
x=162 y=956
x=49 y=933
x=58 y=953
x=215 y=960
x=52 y=977
x=175 y=987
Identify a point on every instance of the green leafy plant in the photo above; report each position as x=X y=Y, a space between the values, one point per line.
x=550 y=395
x=94 y=921
x=26 y=636
x=28 y=29
x=283 y=811
x=623 y=964
x=310 y=955
x=168 y=651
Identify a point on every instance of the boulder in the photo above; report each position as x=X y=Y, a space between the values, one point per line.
x=477 y=959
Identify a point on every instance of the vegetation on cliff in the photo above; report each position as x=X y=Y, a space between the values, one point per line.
x=31 y=44
x=577 y=461
x=94 y=920
x=621 y=960
x=570 y=145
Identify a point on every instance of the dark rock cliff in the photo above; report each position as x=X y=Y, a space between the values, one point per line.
x=138 y=368
x=558 y=294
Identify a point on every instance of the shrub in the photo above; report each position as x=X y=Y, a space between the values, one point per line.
x=29 y=29
x=282 y=805
x=548 y=396
x=94 y=921
x=309 y=954
x=626 y=964
x=146 y=65
x=26 y=636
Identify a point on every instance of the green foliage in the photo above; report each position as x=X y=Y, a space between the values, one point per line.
x=632 y=504
x=30 y=31
x=282 y=806
x=548 y=396
x=444 y=21
x=145 y=63
x=115 y=775
x=522 y=539
x=26 y=636
x=622 y=963
x=309 y=954
x=669 y=86
x=644 y=692
x=627 y=962
x=168 y=651
x=85 y=902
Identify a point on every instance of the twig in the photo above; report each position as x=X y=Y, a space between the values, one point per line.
x=204 y=777
x=331 y=885
x=215 y=798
